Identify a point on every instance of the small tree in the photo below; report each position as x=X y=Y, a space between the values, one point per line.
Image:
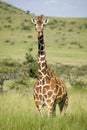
x=31 y=64
x=28 y=12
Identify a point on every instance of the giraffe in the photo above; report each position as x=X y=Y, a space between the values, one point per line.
x=49 y=90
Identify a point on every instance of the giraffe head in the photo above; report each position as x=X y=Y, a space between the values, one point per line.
x=39 y=24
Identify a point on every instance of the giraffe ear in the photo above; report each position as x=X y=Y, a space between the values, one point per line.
x=45 y=21
x=33 y=21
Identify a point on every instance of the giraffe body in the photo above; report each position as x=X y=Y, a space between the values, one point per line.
x=49 y=90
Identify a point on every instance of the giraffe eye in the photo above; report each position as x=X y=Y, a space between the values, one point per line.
x=43 y=25
x=35 y=26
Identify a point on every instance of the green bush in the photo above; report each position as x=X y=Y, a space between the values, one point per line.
x=10 y=62
x=31 y=64
x=80 y=83
x=21 y=83
x=9 y=70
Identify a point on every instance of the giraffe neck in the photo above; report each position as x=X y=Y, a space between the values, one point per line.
x=42 y=66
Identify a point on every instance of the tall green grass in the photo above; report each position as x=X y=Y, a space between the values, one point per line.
x=18 y=112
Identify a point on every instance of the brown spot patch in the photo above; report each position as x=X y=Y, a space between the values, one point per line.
x=47 y=80
x=53 y=97
x=42 y=58
x=44 y=71
x=47 y=87
x=48 y=101
x=43 y=64
x=39 y=74
x=44 y=90
x=38 y=89
x=45 y=96
x=52 y=87
x=40 y=96
x=39 y=65
x=38 y=103
x=49 y=93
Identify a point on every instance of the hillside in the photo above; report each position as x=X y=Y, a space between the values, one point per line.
x=15 y=29
x=65 y=38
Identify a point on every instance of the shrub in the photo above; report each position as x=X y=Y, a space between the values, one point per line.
x=30 y=36
x=20 y=83
x=70 y=30
x=80 y=83
x=18 y=73
x=9 y=70
x=85 y=25
x=10 y=62
x=26 y=20
x=25 y=41
x=63 y=24
x=7 y=41
x=76 y=44
x=7 y=26
x=25 y=27
x=60 y=28
x=55 y=21
x=31 y=64
x=12 y=43
x=73 y=22
x=8 y=18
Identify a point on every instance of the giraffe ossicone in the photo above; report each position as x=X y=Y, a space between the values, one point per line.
x=49 y=90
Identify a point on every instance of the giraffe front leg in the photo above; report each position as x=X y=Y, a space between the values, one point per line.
x=40 y=107
x=51 y=109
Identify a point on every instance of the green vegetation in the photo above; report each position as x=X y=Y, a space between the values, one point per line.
x=18 y=112
x=66 y=49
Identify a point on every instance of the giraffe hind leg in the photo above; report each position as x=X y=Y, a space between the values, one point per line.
x=54 y=109
x=63 y=105
x=39 y=107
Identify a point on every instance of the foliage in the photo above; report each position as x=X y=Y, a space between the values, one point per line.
x=22 y=84
x=9 y=70
x=31 y=63
x=80 y=83
x=19 y=74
